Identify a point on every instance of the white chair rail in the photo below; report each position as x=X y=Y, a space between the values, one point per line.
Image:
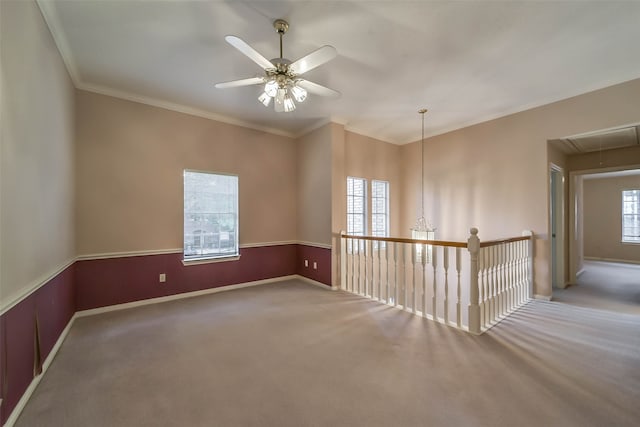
x=470 y=285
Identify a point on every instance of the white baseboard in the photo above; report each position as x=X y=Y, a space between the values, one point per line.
x=36 y=380
x=622 y=261
x=314 y=282
x=158 y=300
x=83 y=313
x=542 y=297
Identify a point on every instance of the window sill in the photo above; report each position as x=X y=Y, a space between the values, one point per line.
x=624 y=242
x=198 y=261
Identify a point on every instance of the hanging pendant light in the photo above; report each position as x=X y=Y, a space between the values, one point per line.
x=422 y=229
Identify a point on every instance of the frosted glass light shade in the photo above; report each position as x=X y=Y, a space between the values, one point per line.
x=271 y=88
x=265 y=99
x=300 y=94
x=289 y=105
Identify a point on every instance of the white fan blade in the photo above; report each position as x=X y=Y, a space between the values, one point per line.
x=242 y=82
x=313 y=60
x=253 y=54
x=317 y=89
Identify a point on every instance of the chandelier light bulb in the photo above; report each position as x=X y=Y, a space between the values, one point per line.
x=271 y=88
x=289 y=105
x=300 y=94
x=265 y=99
x=280 y=96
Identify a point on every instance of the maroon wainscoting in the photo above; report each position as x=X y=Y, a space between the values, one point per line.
x=104 y=282
x=322 y=258
x=53 y=305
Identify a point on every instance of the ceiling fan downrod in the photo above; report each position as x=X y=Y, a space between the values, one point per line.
x=281 y=27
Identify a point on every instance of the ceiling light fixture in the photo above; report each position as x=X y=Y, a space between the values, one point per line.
x=282 y=82
x=423 y=229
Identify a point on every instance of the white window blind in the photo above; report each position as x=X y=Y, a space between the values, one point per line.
x=356 y=206
x=631 y=216
x=210 y=215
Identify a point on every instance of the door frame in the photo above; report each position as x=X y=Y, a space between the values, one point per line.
x=557 y=229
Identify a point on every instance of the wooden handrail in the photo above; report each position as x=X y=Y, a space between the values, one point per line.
x=485 y=244
x=501 y=241
x=403 y=240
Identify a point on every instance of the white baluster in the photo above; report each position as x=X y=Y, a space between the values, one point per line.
x=395 y=271
x=445 y=263
x=352 y=262
x=434 y=261
x=379 y=269
x=413 y=276
x=386 y=268
x=366 y=261
x=424 y=279
x=458 y=304
x=404 y=276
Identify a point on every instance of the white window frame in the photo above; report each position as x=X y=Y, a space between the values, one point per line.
x=220 y=241
x=353 y=213
x=375 y=211
x=630 y=209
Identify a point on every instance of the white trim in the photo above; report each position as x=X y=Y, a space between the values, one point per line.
x=316 y=245
x=11 y=301
x=50 y=16
x=36 y=380
x=263 y=244
x=179 y=108
x=183 y=295
x=212 y=260
x=18 y=297
x=108 y=255
x=316 y=283
x=84 y=313
x=622 y=261
x=542 y=297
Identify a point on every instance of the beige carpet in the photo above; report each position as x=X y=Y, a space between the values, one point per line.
x=291 y=354
x=606 y=286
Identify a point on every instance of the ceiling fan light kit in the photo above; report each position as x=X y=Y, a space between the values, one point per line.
x=282 y=82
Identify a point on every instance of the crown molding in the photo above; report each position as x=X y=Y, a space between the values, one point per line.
x=180 y=108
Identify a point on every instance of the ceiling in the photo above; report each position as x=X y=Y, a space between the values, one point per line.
x=465 y=61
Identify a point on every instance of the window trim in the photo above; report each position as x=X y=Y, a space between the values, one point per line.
x=622 y=216
x=386 y=208
x=197 y=260
x=364 y=204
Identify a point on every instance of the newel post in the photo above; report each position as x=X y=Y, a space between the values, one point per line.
x=473 y=245
x=343 y=261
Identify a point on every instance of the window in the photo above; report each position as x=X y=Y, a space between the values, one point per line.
x=631 y=216
x=210 y=215
x=379 y=208
x=356 y=206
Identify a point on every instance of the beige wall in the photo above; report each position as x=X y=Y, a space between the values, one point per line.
x=370 y=158
x=603 y=218
x=130 y=161
x=494 y=175
x=36 y=160
x=314 y=186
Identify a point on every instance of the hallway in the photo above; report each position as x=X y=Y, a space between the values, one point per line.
x=605 y=286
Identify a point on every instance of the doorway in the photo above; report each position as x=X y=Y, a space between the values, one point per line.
x=557 y=226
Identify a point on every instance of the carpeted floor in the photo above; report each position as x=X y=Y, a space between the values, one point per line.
x=606 y=286
x=292 y=354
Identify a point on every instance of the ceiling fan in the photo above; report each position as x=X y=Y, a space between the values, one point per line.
x=282 y=81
